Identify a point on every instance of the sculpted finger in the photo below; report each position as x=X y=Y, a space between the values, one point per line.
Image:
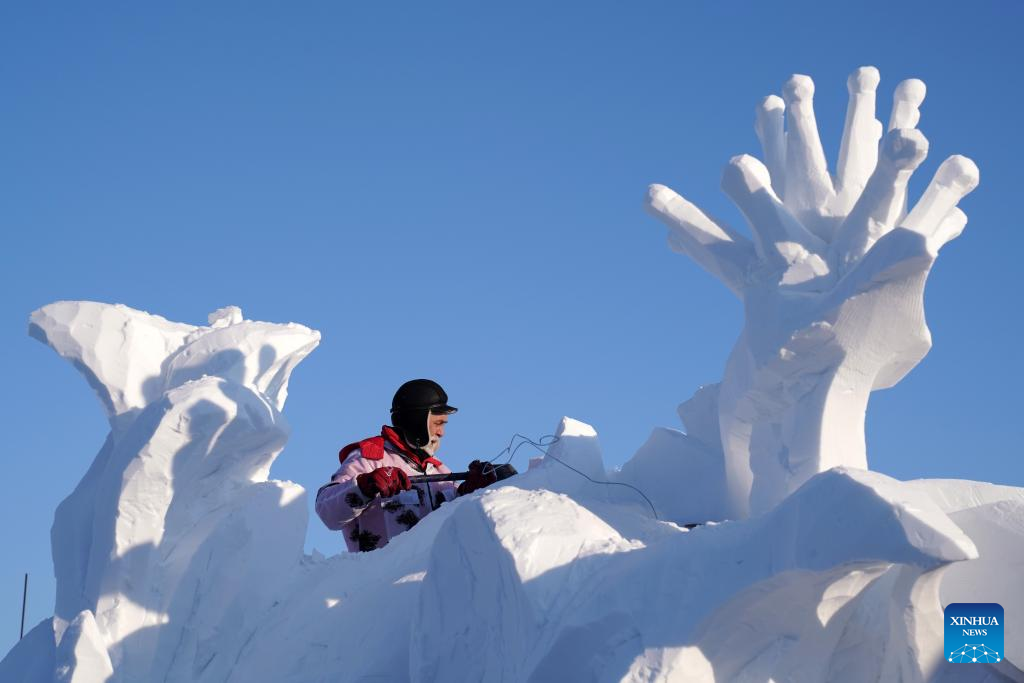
x=718 y=249
x=858 y=152
x=808 y=183
x=769 y=124
x=949 y=229
x=746 y=181
x=881 y=203
x=906 y=103
x=956 y=177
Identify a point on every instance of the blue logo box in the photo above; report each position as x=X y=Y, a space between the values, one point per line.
x=974 y=632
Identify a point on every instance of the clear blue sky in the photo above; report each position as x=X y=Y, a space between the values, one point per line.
x=454 y=190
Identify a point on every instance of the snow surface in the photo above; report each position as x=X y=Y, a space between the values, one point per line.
x=178 y=559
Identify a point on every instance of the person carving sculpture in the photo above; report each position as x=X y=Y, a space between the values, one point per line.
x=370 y=497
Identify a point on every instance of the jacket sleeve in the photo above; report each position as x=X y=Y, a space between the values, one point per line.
x=444 y=491
x=339 y=501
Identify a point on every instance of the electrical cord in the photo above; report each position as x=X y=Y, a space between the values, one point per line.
x=549 y=440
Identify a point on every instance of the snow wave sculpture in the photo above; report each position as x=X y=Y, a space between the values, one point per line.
x=171 y=545
x=832 y=283
x=177 y=560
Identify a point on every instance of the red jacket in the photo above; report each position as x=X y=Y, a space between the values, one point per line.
x=371 y=523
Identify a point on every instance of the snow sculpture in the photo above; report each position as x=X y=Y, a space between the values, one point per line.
x=832 y=281
x=171 y=545
x=177 y=559
x=843 y=581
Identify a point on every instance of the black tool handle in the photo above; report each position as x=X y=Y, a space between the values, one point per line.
x=503 y=471
x=451 y=476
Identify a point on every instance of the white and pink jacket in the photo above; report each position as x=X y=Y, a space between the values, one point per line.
x=370 y=523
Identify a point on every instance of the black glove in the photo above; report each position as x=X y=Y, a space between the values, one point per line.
x=481 y=474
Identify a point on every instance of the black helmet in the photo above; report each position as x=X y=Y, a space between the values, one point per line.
x=410 y=406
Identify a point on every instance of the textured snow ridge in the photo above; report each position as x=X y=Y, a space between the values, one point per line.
x=175 y=542
x=837 y=583
x=178 y=560
x=549 y=577
x=832 y=283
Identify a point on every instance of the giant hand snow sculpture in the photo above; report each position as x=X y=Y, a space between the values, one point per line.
x=174 y=541
x=832 y=282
